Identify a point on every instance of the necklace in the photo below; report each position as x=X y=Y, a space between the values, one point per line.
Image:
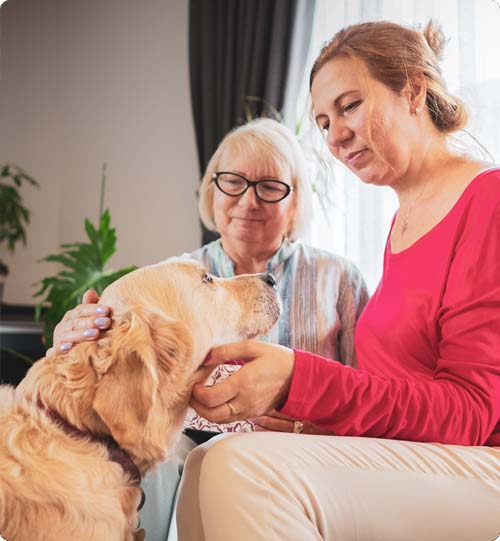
x=404 y=226
x=452 y=162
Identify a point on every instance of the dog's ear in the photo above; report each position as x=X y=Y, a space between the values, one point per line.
x=137 y=353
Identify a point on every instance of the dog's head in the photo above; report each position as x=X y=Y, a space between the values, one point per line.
x=166 y=318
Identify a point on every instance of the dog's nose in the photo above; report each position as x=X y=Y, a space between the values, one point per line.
x=269 y=279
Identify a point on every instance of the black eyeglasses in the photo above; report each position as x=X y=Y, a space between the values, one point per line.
x=234 y=185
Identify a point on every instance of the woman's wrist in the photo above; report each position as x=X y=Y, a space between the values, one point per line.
x=288 y=364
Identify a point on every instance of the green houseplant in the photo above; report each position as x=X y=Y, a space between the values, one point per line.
x=83 y=268
x=14 y=216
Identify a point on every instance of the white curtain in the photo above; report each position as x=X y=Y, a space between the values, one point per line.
x=357 y=221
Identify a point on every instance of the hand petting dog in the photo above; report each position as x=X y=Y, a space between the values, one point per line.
x=267 y=367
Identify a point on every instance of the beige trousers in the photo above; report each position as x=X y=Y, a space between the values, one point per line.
x=275 y=486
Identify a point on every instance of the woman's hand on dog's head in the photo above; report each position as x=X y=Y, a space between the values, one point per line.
x=82 y=324
x=260 y=386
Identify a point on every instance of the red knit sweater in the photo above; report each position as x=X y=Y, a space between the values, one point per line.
x=428 y=342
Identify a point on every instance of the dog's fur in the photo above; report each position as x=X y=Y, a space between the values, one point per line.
x=134 y=384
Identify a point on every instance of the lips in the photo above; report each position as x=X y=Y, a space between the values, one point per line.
x=354 y=156
x=247 y=218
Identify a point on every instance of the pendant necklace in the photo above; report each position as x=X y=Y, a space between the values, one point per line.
x=404 y=226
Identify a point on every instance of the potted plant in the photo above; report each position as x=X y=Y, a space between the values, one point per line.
x=14 y=216
x=83 y=268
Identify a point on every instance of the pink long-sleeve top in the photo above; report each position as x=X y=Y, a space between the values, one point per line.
x=428 y=342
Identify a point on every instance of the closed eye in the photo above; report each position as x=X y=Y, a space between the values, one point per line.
x=351 y=106
x=207 y=279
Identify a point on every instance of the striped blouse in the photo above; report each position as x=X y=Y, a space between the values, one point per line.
x=323 y=296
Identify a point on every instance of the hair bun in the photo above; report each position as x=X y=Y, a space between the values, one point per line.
x=433 y=34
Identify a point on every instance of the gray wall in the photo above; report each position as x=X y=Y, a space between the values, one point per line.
x=88 y=81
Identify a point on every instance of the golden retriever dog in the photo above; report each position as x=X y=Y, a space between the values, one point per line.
x=81 y=429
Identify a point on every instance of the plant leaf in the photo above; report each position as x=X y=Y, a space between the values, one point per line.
x=83 y=268
x=14 y=216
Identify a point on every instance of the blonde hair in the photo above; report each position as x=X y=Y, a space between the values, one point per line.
x=396 y=56
x=271 y=142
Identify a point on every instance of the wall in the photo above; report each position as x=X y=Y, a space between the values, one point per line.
x=83 y=82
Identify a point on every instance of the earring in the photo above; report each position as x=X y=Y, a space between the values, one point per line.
x=417 y=110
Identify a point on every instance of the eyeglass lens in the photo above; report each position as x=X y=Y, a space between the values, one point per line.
x=268 y=190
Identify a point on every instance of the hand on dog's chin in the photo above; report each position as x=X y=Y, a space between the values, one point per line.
x=202 y=373
x=260 y=386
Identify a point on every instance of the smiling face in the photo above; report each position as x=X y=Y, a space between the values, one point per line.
x=246 y=219
x=367 y=126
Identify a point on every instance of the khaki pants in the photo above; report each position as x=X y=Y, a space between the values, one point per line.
x=274 y=486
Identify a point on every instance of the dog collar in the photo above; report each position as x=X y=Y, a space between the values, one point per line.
x=115 y=452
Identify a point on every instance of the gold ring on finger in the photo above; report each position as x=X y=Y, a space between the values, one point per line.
x=232 y=411
x=298 y=427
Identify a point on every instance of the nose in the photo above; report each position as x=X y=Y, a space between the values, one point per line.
x=337 y=135
x=269 y=279
x=249 y=198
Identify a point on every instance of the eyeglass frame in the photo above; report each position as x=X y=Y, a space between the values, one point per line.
x=253 y=184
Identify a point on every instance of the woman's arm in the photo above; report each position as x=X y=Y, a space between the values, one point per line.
x=457 y=403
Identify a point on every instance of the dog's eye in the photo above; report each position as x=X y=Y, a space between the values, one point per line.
x=207 y=278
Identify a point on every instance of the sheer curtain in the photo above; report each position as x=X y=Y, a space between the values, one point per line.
x=356 y=222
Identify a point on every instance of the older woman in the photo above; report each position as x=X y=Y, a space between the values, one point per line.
x=416 y=453
x=256 y=194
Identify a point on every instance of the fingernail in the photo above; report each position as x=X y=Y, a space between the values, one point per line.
x=65 y=347
x=103 y=310
x=102 y=322
x=90 y=333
